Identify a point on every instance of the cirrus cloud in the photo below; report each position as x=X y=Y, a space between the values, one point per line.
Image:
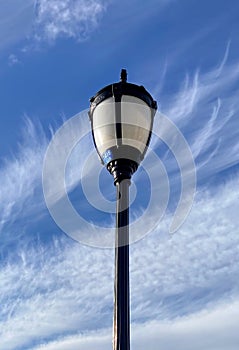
x=67 y=18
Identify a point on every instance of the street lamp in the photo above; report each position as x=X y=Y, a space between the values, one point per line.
x=121 y=116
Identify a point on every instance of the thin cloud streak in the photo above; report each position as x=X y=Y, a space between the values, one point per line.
x=205 y=109
x=214 y=329
x=20 y=175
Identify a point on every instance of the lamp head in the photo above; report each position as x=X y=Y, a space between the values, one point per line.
x=121 y=116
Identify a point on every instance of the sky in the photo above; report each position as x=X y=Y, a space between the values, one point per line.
x=56 y=256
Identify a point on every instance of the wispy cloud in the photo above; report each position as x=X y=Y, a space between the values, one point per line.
x=66 y=18
x=12 y=60
x=205 y=109
x=44 y=302
x=20 y=175
x=63 y=288
x=214 y=329
x=45 y=21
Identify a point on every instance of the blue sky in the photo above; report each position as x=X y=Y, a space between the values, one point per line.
x=57 y=293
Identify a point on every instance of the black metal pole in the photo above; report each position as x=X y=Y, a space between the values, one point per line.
x=121 y=288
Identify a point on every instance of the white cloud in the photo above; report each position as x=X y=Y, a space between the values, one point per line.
x=67 y=18
x=12 y=59
x=205 y=109
x=42 y=21
x=64 y=288
x=20 y=175
x=99 y=340
x=50 y=296
x=194 y=268
x=209 y=330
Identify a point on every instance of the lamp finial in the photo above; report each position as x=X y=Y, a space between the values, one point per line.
x=123 y=75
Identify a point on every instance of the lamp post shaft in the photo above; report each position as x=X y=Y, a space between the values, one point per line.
x=121 y=145
x=121 y=287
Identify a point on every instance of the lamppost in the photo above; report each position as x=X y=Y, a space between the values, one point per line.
x=121 y=116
